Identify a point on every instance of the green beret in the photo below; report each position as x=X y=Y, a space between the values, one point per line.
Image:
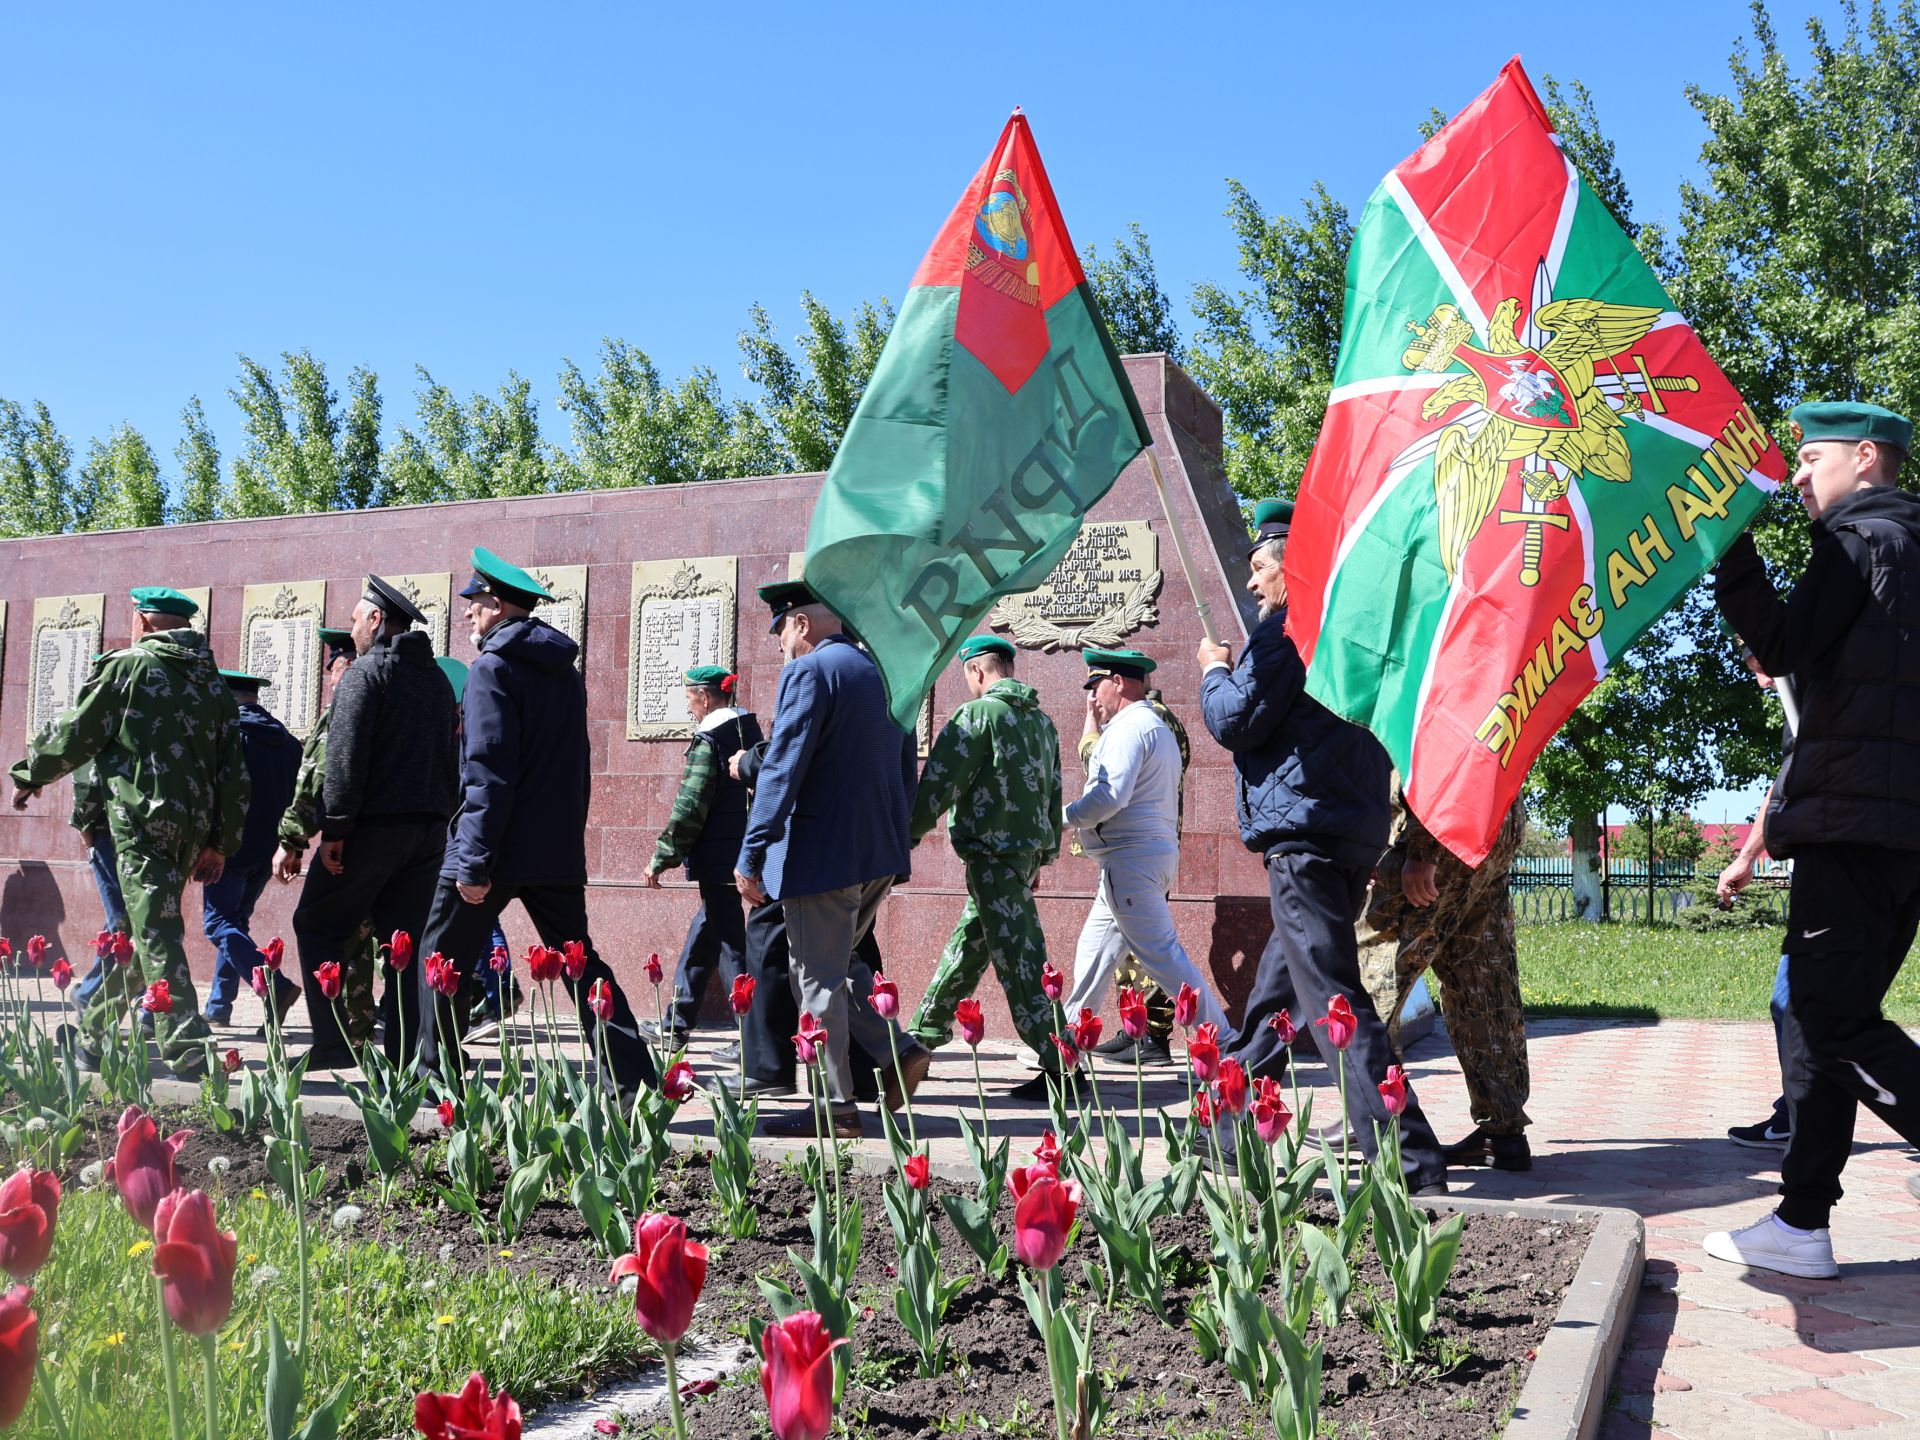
x=241 y=680
x=456 y=673
x=716 y=675
x=974 y=646
x=1850 y=420
x=784 y=595
x=503 y=579
x=1272 y=519
x=164 y=600
x=1116 y=665
x=336 y=639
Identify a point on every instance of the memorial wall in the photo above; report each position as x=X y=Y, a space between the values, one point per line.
x=652 y=581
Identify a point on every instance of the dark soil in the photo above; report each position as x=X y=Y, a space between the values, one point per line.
x=1505 y=1290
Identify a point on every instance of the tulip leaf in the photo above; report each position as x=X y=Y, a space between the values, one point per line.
x=1329 y=1269
x=524 y=1188
x=285 y=1383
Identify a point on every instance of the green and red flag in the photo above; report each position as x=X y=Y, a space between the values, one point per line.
x=1527 y=457
x=998 y=414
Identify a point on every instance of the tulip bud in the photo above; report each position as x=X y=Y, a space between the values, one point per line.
x=916 y=1172
x=573 y=961
x=400 y=950
x=446 y=1113
x=1203 y=1053
x=327 y=977
x=796 y=1376
x=195 y=1261
x=122 y=948
x=669 y=1272
x=500 y=961
x=1043 y=1216
x=143 y=1168
x=231 y=1062
x=600 y=1000
x=973 y=1025
x=812 y=1035
x=258 y=980
x=158 y=999
x=1069 y=1054
x=1052 y=982
x=1086 y=1030
x=1133 y=1012
x=1230 y=1092
x=1186 y=1007
x=29 y=1207
x=274 y=952
x=37 y=951
x=885 y=997
x=656 y=972
x=1282 y=1026
x=1340 y=1022
x=677 y=1083
x=1393 y=1090
x=742 y=997
x=61 y=974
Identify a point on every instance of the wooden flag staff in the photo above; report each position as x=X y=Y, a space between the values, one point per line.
x=1180 y=548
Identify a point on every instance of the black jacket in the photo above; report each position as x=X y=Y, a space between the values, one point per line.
x=392 y=755
x=273 y=763
x=1308 y=779
x=525 y=774
x=1849 y=636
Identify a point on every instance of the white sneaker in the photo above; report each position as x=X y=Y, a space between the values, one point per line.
x=1771 y=1246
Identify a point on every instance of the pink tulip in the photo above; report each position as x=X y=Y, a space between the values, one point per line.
x=1340 y=1022
x=600 y=1000
x=1186 y=1007
x=1052 y=982
x=19 y=1350
x=142 y=1167
x=885 y=997
x=796 y=1376
x=1133 y=1012
x=1393 y=1090
x=1043 y=1216
x=973 y=1025
x=195 y=1260
x=1203 y=1053
x=29 y=1207
x=810 y=1039
x=669 y=1271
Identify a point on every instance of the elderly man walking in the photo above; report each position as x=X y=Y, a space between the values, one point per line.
x=1314 y=801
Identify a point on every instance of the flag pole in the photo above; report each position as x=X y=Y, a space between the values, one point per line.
x=1180 y=547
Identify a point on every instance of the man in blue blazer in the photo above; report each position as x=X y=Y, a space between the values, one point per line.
x=828 y=835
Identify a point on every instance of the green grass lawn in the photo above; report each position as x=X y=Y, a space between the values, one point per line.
x=1664 y=972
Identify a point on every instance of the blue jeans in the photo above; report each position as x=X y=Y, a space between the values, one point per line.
x=1777 y=1007
x=113 y=910
x=228 y=911
x=490 y=983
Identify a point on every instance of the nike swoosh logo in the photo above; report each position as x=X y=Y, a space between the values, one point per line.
x=1812 y=934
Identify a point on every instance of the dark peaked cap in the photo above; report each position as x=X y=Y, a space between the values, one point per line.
x=391 y=601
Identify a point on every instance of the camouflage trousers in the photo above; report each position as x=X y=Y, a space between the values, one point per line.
x=1000 y=927
x=356 y=985
x=153 y=878
x=1474 y=959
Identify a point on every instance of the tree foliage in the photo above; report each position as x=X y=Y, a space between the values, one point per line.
x=198 y=454
x=810 y=398
x=1138 y=313
x=304 y=450
x=119 y=485
x=36 y=488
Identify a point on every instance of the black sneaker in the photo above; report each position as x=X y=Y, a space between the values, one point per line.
x=1036 y=1088
x=1764 y=1136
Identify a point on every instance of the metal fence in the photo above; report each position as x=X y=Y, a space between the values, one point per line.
x=1542 y=890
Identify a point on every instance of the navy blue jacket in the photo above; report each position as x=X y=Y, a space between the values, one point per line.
x=273 y=763
x=834 y=792
x=1308 y=780
x=524 y=764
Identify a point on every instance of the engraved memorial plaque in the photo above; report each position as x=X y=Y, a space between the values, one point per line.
x=67 y=633
x=430 y=593
x=682 y=615
x=1101 y=591
x=280 y=642
x=567 y=611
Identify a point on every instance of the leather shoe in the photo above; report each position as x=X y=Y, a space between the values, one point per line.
x=800 y=1126
x=1432 y=1187
x=1152 y=1050
x=322 y=1058
x=727 y=1054
x=755 y=1086
x=903 y=1079
x=1036 y=1088
x=1502 y=1152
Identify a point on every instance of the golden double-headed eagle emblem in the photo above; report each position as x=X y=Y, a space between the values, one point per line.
x=1543 y=406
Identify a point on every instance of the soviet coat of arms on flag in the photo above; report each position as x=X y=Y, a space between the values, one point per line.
x=1527 y=457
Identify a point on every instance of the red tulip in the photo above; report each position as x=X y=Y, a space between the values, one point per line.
x=669 y=1271
x=1042 y=1216
x=656 y=972
x=499 y=961
x=1393 y=1090
x=1203 y=1110
x=1133 y=1012
x=573 y=962
x=1186 y=1007
x=1052 y=981
x=1231 y=1089
x=677 y=1083
x=470 y=1415
x=443 y=976
x=1047 y=1152
x=742 y=997
x=61 y=974
x=158 y=999
x=258 y=980
x=600 y=1000
x=142 y=1165
x=400 y=950
x=273 y=952
x=916 y=1172
x=1282 y=1025
x=446 y=1113
x=1086 y=1030
x=29 y=1205
x=543 y=965
x=1069 y=1053
x=812 y=1036
x=19 y=1349
x=231 y=1062
x=973 y=1025
x=102 y=945
x=1339 y=1022
x=796 y=1376
x=194 y=1259
x=327 y=977
x=1203 y=1053
x=1021 y=1177
x=37 y=951
x=6 y=949
x=1270 y=1113
x=122 y=948
x=885 y=997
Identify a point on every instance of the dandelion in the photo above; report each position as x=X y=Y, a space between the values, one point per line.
x=219 y=1165
x=446 y=1254
x=139 y=1247
x=37 y=1125
x=264 y=1276
x=118 y=1337
x=443 y=1319
x=347 y=1216
x=90 y=1175
x=506 y=1254
x=253 y=1257
x=256 y=1194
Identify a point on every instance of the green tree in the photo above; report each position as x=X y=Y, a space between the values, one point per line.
x=1138 y=314
x=36 y=465
x=200 y=496
x=810 y=397
x=119 y=485
x=485 y=446
x=304 y=451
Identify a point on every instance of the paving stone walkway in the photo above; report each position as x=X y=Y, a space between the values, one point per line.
x=1629 y=1114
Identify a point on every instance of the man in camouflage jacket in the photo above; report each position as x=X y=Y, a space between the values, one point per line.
x=162 y=729
x=996 y=767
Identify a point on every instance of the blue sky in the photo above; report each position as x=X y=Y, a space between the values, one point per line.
x=482 y=188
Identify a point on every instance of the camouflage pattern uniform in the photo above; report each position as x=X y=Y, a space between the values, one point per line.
x=996 y=765
x=1466 y=938
x=163 y=731
x=298 y=826
x=1159 y=1003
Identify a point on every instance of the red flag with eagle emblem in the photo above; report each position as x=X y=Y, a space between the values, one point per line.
x=998 y=414
x=1527 y=458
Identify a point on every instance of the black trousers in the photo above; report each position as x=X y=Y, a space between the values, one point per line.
x=717 y=940
x=1850 y=921
x=463 y=933
x=388 y=875
x=1310 y=958
x=770 y=1025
